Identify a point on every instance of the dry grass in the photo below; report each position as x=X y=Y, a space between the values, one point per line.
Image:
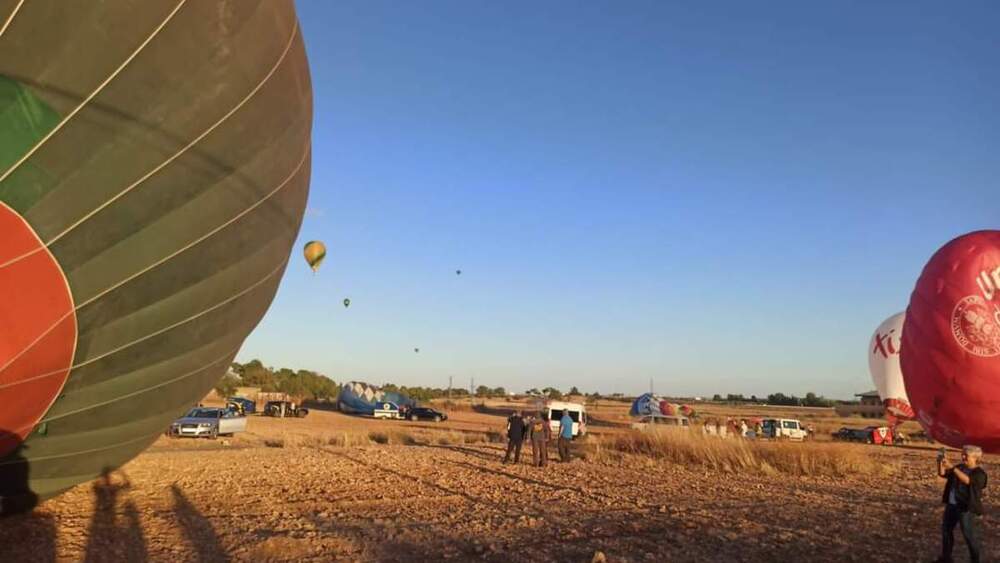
x=349 y=440
x=735 y=455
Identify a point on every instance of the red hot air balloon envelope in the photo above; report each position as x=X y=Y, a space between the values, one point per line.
x=951 y=343
x=38 y=328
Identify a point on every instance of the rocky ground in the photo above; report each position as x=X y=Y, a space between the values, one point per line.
x=283 y=493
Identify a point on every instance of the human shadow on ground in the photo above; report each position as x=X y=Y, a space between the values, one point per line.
x=25 y=535
x=108 y=537
x=197 y=529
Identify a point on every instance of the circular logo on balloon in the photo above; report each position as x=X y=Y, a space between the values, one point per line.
x=975 y=327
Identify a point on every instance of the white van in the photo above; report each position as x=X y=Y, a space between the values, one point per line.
x=784 y=429
x=554 y=411
x=655 y=422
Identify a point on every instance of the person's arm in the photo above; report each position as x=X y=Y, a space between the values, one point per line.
x=960 y=475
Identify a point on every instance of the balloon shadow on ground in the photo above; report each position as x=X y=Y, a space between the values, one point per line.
x=197 y=530
x=108 y=538
x=25 y=535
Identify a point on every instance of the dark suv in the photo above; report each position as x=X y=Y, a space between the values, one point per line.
x=425 y=413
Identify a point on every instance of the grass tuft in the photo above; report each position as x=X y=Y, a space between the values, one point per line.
x=735 y=455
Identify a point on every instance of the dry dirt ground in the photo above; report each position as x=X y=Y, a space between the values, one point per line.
x=281 y=492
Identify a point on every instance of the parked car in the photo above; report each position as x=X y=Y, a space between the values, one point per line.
x=881 y=435
x=208 y=422
x=248 y=406
x=784 y=429
x=577 y=412
x=846 y=434
x=661 y=421
x=283 y=409
x=426 y=413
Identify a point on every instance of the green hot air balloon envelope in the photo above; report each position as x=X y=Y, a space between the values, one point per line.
x=347 y=303
x=154 y=169
x=314 y=252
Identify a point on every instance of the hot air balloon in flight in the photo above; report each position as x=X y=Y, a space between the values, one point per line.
x=951 y=343
x=416 y=350
x=154 y=168
x=314 y=252
x=883 y=364
x=347 y=303
x=458 y=272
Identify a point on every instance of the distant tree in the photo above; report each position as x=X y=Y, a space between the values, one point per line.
x=256 y=375
x=499 y=392
x=782 y=399
x=812 y=400
x=717 y=397
x=574 y=391
x=552 y=393
x=483 y=391
x=533 y=391
x=227 y=385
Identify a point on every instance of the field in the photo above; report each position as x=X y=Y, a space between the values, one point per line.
x=337 y=487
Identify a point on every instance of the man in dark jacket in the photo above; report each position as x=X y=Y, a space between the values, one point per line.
x=540 y=433
x=963 y=501
x=515 y=436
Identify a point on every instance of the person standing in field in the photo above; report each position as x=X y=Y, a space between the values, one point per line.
x=565 y=435
x=540 y=434
x=515 y=437
x=963 y=501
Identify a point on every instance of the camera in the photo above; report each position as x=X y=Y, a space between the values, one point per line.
x=941 y=454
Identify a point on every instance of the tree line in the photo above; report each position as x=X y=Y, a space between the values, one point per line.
x=780 y=399
x=301 y=383
x=308 y=384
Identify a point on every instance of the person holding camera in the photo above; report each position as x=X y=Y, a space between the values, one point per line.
x=962 y=497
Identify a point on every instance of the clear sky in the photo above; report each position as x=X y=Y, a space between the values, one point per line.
x=726 y=198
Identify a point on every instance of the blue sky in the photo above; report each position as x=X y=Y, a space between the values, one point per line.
x=726 y=198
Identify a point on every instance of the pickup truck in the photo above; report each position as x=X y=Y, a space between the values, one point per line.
x=207 y=422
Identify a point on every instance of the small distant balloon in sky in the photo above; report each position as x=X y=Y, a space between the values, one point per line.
x=315 y=252
x=417 y=350
x=347 y=303
x=458 y=272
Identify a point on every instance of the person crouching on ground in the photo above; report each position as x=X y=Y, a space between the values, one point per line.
x=540 y=435
x=565 y=435
x=515 y=437
x=963 y=494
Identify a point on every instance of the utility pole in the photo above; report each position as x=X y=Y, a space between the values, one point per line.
x=449 y=387
x=650 y=385
x=472 y=387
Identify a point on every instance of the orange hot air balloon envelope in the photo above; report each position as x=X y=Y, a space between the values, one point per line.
x=951 y=343
x=315 y=252
x=154 y=171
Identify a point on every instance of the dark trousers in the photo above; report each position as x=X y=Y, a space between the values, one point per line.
x=513 y=446
x=539 y=452
x=970 y=530
x=563 y=449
